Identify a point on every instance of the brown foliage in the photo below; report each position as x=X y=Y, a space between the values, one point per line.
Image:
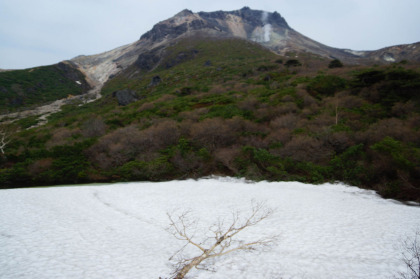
x=349 y=101
x=227 y=156
x=194 y=115
x=212 y=133
x=62 y=136
x=39 y=166
x=93 y=127
x=128 y=143
x=287 y=121
x=304 y=148
x=189 y=164
x=286 y=108
x=250 y=103
x=146 y=106
x=282 y=135
x=392 y=127
x=403 y=109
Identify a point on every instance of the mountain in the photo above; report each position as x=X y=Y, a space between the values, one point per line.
x=213 y=93
x=29 y=88
x=268 y=29
x=90 y=73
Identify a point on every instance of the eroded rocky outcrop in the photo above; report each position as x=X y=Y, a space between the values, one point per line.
x=125 y=97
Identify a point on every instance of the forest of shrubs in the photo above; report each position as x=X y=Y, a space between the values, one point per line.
x=242 y=112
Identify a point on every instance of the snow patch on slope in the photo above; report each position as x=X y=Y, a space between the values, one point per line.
x=118 y=230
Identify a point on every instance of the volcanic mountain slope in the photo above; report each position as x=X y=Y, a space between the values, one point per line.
x=230 y=106
x=269 y=29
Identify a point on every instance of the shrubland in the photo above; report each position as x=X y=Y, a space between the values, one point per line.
x=231 y=107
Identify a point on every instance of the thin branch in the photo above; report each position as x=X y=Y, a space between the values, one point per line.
x=223 y=240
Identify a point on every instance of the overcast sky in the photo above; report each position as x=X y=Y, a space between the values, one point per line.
x=42 y=32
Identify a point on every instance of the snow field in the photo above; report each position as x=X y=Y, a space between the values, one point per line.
x=118 y=230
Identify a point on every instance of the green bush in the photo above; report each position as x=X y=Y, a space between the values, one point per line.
x=347 y=166
x=368 y=78
x=226 y=112
x=326 y=85
x=336 y=63
x=292 y=63
x=401 y=155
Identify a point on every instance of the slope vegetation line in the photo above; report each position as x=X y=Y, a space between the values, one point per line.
x=46 y=110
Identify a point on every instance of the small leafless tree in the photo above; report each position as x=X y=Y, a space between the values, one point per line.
x=411 y=257
x=4 y=139
x=221 y=240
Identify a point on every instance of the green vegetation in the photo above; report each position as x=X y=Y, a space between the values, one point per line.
x=230 y=107
x=25 y=88
x=335 y=64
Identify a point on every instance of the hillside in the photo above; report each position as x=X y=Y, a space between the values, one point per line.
x=232 y=107
x=23 y=89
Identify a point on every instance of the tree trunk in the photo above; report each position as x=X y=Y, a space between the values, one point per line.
x=186 y=268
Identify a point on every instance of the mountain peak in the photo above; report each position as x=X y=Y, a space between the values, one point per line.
x=183 y=13
x=245 y=23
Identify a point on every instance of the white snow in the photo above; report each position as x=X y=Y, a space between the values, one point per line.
x=267 y=32
x=78 y=82
x=389 y=58
x=118 y=230
x=355 y=52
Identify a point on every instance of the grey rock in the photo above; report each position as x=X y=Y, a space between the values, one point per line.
x=155 y=81
x=125 y=96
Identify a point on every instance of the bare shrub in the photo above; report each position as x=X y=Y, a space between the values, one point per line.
x=287 y=99
x=146 y=106
x=321 y=123
x=308 y=100
x=62 y=136
x=5 y=138
x=39 y=166
x=282 y=135
x=304 y=148
x=266 y=112
x=340 y=141
x=189 y=164
x=227 y=156
x=403 y=109
x=128 y=143
x=219 y=239
x=287 y=121
x=351 y=102
x=310 y=111
x=287 y=108
x=162 y=134
x=392 y=127
x=250 y=103
x=194 y=115
x=93 y=127
x=411 y=257
x=165 y=98
x=185 y=127
x=212 y=133
x=117 y=147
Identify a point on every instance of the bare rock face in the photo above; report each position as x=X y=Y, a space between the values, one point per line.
x=147 y=60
